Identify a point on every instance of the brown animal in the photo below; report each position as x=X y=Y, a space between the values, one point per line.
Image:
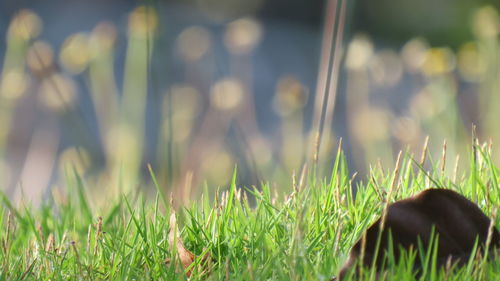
x=457 y=222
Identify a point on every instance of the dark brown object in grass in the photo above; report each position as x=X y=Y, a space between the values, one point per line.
x=457 y=221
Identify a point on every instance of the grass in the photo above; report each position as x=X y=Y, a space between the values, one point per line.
x=303 y=235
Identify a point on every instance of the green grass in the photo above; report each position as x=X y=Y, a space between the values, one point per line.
x=305 y=234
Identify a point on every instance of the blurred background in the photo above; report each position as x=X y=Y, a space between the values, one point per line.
x=104 y=88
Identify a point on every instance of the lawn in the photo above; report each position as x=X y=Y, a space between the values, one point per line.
x=237 y=234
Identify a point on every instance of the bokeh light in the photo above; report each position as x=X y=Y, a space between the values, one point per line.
x=414 y=54
x=57 y=92
x=386 y=68
x=75 y=53
x=182 y=104
x=359 y=52
x=486 y=23
x=193 y=43
x=406 y=130
x=242 y=35
x=371 y=124
x=74 y=160
x=471 y=63
x=40 y=58
x=291 y=96
x=103 y=38
x=226 y=94
x=185 y=101
x=25 y=25
x=424 y=106
x=438 y=61
x=218 y=165
x=14 y=84
x=142 y=21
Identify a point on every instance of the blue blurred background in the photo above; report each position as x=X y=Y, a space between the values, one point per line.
x=105 y=88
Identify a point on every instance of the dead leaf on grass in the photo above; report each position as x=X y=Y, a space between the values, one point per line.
x=186 y=257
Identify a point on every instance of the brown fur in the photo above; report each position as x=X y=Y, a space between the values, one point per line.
x=456 y=220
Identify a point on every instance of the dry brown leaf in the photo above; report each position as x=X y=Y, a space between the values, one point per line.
x=175 y=241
